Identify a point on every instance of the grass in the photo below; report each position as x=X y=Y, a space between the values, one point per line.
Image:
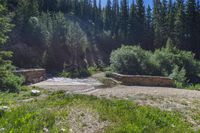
x=123 y=116
x=187 y=86
x=80 y=73
x=193 y=87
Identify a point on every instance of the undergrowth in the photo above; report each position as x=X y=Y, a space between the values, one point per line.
x=123 y=116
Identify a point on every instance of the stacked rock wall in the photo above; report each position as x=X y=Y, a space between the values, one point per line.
x=32 y=75
x=143 y=80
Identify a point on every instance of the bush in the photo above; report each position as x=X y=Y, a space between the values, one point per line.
x=169 y=58
x=108 y=74
x=168 y=61
x=179 y=75
x=10 y=82
x=77 y=73
x=130 y=60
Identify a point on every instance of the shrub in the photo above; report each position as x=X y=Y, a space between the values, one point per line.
x=108 y=74
x=169 y=58
x=77 y=73
x=168 y=61
x=10 y=82
x=179 y=75
x=93 y=70
x=130 y=60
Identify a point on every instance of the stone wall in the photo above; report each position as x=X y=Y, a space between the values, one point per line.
x=143 y=80
x=32 y=75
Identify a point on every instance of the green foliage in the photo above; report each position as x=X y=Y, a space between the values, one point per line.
x=93 y=70
x=4 y=24
x=123 y=116
x=77 y=73
x=168 y=61
x=8 y=81
x=42 y=30
x=168 y=58
x=108 y=74
x=193 y=87
x=179 y=75
x=130 y=60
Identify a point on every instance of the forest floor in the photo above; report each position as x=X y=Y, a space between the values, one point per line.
x=186 y=102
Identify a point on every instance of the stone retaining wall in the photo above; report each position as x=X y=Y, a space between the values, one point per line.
x=143 y=80
x=32 y=75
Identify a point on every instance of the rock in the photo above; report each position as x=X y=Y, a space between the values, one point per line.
x=32 y=75
x=4 y=108
x=45 y=130
x=35 y=92
x=62 y=130
x=70 y=130
x=2 y=130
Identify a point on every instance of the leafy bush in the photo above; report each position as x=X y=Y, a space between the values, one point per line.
x=108 y=74
x=77 y=73
x=9 y=81
x=93 y=70
x=130 y=60
x=168 y=61
x=169 y=58
x=178 y=74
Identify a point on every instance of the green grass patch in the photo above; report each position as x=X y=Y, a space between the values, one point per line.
x=187 y=86
x=193 y=87
x=80 y=73
x=123 y=116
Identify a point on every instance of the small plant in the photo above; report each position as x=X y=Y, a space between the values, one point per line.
x=193 y=87
x=64 y=74
x=77 y=73
x=10 y=82
x=93 y=70
x=178 y=75
x=108 y=74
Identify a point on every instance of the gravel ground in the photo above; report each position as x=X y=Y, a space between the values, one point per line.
x=187 y=102
x=126 y=91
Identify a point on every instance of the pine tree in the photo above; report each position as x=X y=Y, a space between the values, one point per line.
x=164 y=23
x=76 y=8
x=100 y=17
x=33 y=8
x=132 y=23
x=198 y=28
x=157 y=24
x=191 y=25
x=63 y=6
x=124 y=19
x=179 y=25
x=140 y=21
x=8 y=81
x=148 y=32
x=115 y=18
x=50 y=5
x=108 y=15
x=170 y=19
